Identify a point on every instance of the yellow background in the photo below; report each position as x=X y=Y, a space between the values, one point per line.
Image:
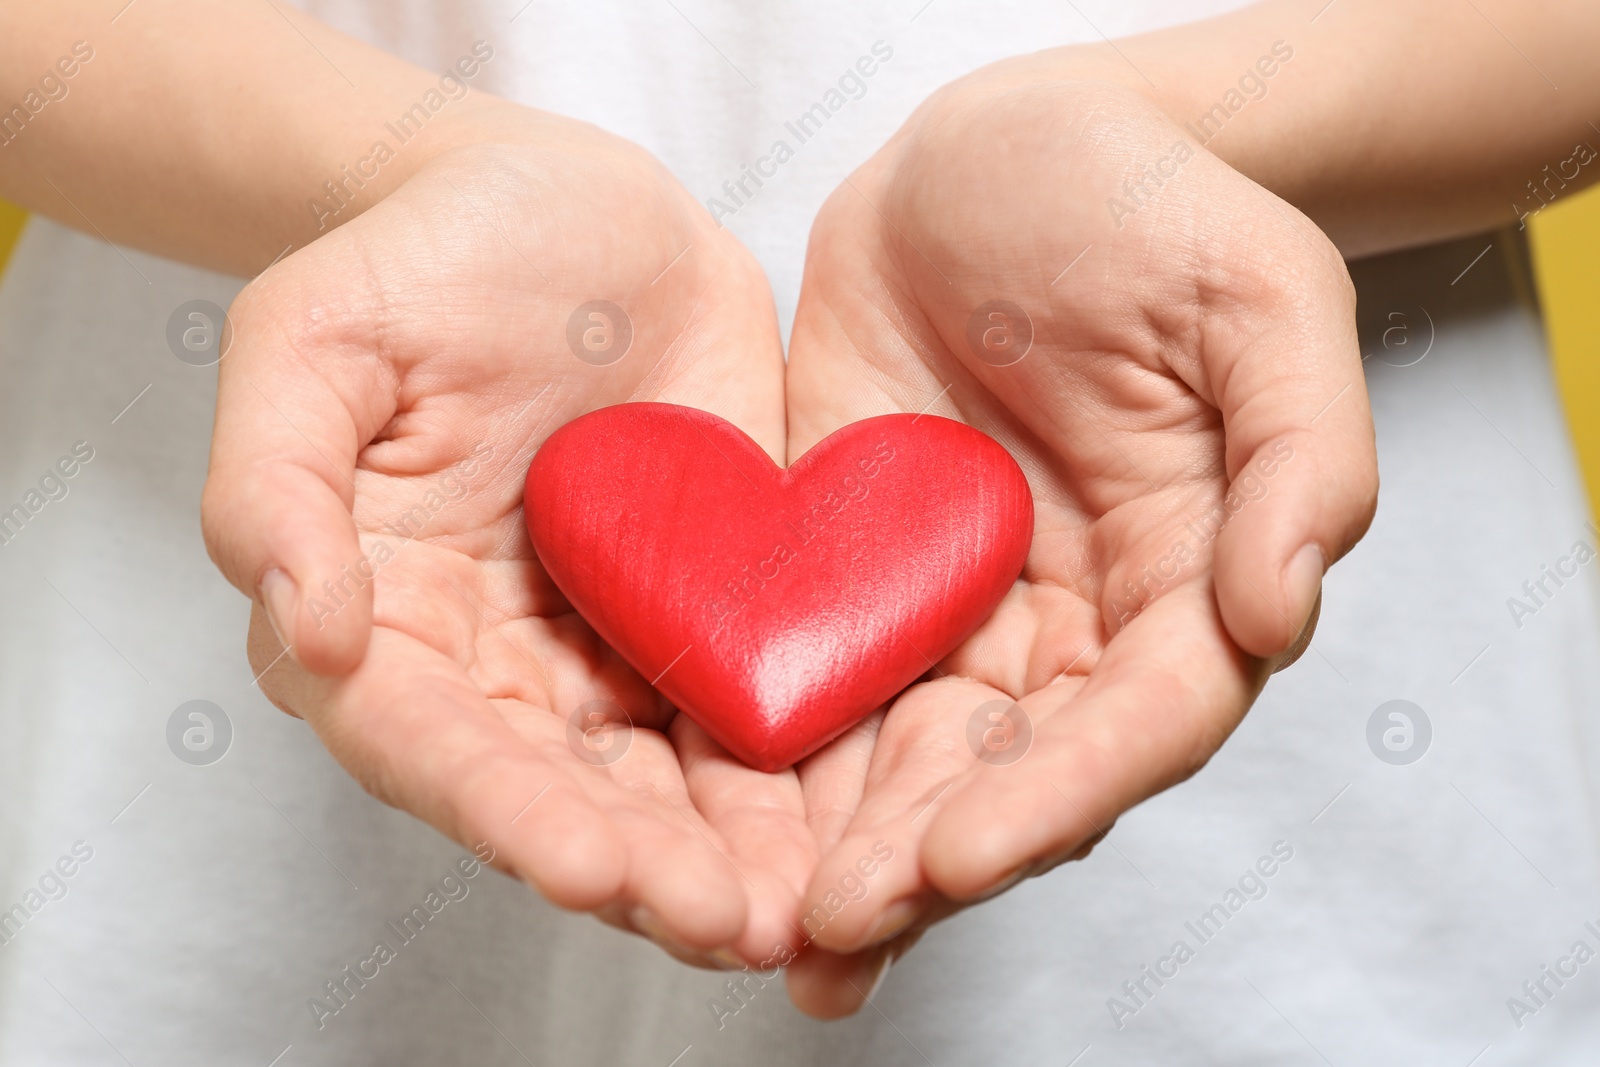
x=1566 y=262
x=11 y=219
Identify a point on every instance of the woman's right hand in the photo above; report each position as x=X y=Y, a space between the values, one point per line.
x=386 y=388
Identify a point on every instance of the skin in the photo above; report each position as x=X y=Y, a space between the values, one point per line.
x=1180 y=354
x=1194 y=335
x=363 y=377
x=1213 y=325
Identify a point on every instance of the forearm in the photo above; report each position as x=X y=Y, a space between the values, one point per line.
x=1390 y=124
x=220 y=134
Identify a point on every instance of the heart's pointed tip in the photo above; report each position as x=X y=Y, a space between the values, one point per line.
x=778 y=753
x=768 y=739
x=769 y=753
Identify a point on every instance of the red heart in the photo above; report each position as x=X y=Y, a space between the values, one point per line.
x=777 y=607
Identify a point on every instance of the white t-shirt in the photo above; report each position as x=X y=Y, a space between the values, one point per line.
x=1334 y=904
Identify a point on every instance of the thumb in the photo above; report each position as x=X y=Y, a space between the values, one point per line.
x=1301 y=459
x=277 y=504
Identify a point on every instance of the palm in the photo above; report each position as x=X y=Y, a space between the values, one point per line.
x=1112 y=642
x=402 y=371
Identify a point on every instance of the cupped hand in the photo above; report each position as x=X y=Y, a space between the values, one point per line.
x=1169 y=352
x=385 y=390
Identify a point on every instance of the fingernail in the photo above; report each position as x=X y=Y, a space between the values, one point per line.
x=281 y=599
x=1049 y=863
x=883 y=972
x=895 y=918
x=727 y=959
x=645 y=921
x=1006 y=882
x=1302 y=579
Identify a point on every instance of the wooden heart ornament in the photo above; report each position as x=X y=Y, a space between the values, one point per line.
x=777 y=607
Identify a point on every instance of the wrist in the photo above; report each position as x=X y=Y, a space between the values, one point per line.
x=398 y=134
x=1382 y=143
x=1234 y=86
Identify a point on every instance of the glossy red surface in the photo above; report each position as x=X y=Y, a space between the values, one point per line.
x=777 y=607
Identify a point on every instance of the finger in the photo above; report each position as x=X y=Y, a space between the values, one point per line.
x=870 y=886
x=542 y=674
x=763 y=820
x=1167 y=691
x=632 y=918
x=1301 y=458
x=413 y=731
x=728 y=359
x=292 y=412
x=829 y=985
x=833 y=779
x=686 y=891
x=857 y=340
